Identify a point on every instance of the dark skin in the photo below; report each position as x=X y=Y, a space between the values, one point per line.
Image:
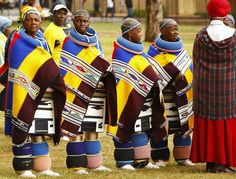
x=31 y=24
x=59 y=17
x=170 y=33
x=134 y=35
x=81 y=24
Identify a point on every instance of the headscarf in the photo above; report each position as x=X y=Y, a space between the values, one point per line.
x=167 y=22
x=129 y=24
x=82 y=12
x=28 y=10
x=218 y=8
x=4 y=23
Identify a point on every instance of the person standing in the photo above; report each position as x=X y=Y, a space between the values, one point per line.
x=138 y=100
x=55 y=33
x=129 y=6
x=91 y=95
x=214 y=58
x=110 y=8
x=169 y=52
x=96 y=7
x=35 y=96
x=33 y=3
x=5 y=31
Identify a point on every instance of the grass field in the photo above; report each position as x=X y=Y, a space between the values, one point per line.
x=108 y=33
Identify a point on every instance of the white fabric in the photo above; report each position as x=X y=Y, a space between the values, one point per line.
x=218 y=31
x=110 y=3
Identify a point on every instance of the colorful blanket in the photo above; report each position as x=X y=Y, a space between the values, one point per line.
x=31 y=72
x=177 y=62
x=82 y=69
x=136 y=79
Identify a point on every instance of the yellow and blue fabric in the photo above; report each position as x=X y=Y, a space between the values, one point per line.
x=28 y=10
x=82 y=68
x=175 y=60
x=3 y=40
x=31 y=71
x=136 y=79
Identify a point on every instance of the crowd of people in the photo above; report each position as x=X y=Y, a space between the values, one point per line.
x=59 y=84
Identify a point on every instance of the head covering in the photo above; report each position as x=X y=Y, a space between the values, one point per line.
x=28 y=10
x=129 y=24
x=59 y=6
x=4 y=23
x=229 y=18
x=82 y=12
x=167 y=22
x=218 y=8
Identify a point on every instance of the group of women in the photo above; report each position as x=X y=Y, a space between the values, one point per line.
x=59 y=84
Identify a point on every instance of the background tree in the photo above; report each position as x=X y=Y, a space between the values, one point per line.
x=154 y=14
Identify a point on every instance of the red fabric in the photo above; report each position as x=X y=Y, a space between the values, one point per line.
x=214 y=141
x=218 y=8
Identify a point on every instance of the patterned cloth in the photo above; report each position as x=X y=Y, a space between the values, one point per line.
x=214 y=77
x=136 y=79
x=82 y=69
x=31 y=72
x=214 y=99
x=174 y=59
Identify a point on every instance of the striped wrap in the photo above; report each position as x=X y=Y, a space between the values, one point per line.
x=31 y=72
x=175 y=62
x=136 y=80
x=82 y=69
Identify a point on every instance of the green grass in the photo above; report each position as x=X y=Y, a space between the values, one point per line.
x=108 y=32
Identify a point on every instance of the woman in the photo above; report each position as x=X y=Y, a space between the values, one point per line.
x=168 y=51
x=90 y=88
x=138 y=100
x=31 y=72
x=5 y=31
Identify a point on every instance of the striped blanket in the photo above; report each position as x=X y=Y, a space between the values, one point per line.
x=31 y=71
x=136 y=80
x=82 y=69
x=175 y=63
